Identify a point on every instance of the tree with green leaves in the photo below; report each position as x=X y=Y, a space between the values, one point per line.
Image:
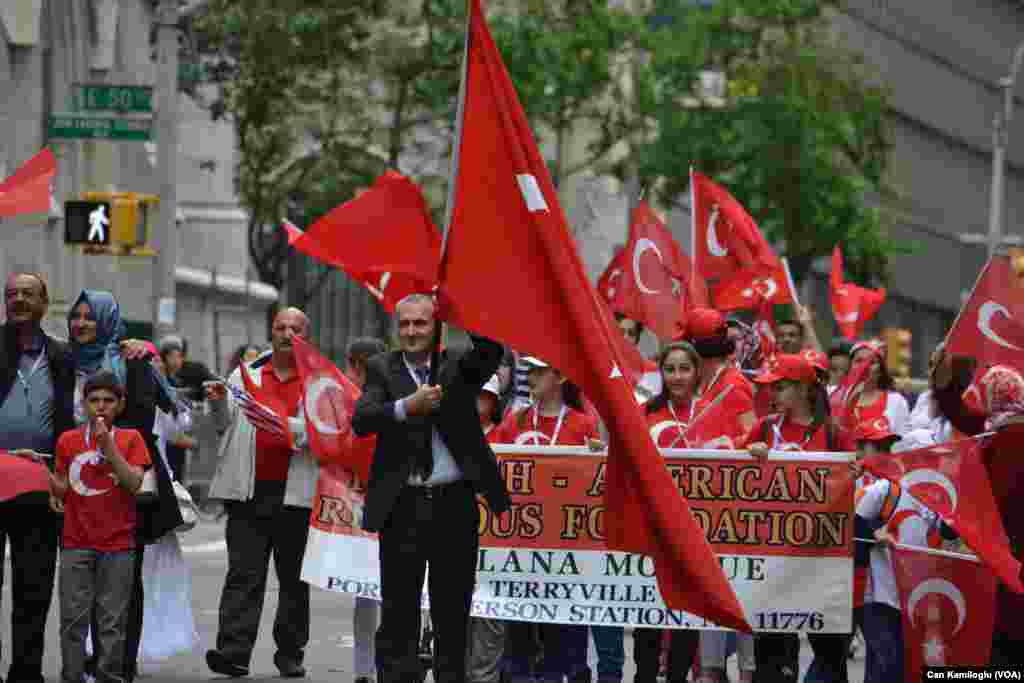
x=802 y=138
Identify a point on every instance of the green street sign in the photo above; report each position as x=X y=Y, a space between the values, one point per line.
x=119 y=98
x=78 y=126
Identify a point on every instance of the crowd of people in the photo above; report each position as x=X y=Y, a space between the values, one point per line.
x=107 y=420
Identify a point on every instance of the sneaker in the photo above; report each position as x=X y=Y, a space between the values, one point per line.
x=219 y=664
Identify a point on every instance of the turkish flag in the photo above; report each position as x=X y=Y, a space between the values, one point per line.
x=384 y=239
x=328 y=400
x=948 y=610
x=951 y=480
x=29 y=189
x=610 y=283
x=852 y=305
x=726 y=240
x=749 y=289
x=508 y=230
x=655 y=275
x=990 y=326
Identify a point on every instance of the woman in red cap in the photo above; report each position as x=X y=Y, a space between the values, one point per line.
x=994 y=401
x=802 y=423
x=722 y=415
x=668 y=416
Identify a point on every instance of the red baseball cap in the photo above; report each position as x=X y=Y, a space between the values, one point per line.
x=878 y=429
x=704 y=322
x=791 y=366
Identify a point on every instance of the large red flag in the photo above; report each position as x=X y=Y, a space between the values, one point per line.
x=726 y=239
x=951 y=480
x=28 y=190
x=656 y=274
x=948 y=610
x=384 y=239
x=508 y=235
x=852 y=305
x=990 y=325
x=328 y=400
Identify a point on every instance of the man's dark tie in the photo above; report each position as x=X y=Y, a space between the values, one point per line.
x=424 y=465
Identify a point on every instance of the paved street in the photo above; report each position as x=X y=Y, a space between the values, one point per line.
x=328 y=658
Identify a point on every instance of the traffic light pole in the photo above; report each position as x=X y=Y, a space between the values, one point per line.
x=166 y=124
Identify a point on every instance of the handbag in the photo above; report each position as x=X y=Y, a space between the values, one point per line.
x=149 y=490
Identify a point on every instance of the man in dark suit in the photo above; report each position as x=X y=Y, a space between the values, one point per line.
x=430 y=461
x=37 y=387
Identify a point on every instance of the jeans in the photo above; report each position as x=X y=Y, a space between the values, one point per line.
x=364 y=628
x=95 y=585
x=610 y=643
x=883 y=635
x=486 y=646
x=565 y=651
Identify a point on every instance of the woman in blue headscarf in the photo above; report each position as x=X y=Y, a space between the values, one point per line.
x=96 y=330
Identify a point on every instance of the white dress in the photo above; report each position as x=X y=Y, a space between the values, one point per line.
x=168 y=625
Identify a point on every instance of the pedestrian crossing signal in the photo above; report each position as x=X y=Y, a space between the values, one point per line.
x=111 y=222
x=87 y=223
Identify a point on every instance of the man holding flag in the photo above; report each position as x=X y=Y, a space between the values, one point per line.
x=430 y=462
x=266 y=476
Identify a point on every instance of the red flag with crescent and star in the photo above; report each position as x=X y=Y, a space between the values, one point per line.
x=990 y=326
x=852 y=305
x=610 y=283
x=951 y=480
x=727 y=241
x=30 y=188
x=384 y=239
x=948 y=610
x=656 y=275
x=508 y=231
x=328 y=400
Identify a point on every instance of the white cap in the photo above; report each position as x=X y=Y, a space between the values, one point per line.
x=534 y=362
x=493 y=385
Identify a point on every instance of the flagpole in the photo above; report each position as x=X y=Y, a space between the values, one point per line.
x=926 y=551
x=789 y=279
x=693 y=224
x=963 y=306
x=453 y=176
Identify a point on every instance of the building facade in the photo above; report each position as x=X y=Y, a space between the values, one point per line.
x=47 y=47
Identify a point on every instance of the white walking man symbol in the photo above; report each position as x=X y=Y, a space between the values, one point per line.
x=98 y=223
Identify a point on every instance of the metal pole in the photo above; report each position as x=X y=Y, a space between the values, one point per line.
x=166 y=125
x=1000 y=141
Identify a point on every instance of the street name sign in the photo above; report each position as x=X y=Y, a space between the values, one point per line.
x=80 y=126
x=115 y=98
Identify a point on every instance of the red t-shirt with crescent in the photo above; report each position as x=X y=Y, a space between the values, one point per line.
x=98 y=514
x=717 y=421
x=518 y=428
x=668 y=423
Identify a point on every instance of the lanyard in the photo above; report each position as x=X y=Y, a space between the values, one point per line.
x=680 y=426
x=23 y=378
x=714 y=380
x=780 y=444
x=558 y=424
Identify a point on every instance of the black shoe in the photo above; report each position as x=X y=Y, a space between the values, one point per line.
x=289 y=668
x=219 y=664
x=359 y=679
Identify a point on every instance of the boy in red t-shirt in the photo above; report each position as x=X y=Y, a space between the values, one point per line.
x=98 y=474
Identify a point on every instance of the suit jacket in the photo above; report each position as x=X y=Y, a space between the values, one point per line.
x=62 y=374
x=457 y=421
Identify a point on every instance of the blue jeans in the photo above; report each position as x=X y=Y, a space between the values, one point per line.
x=830 y=656
x=883 y=635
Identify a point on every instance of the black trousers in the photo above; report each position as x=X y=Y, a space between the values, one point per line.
x=647 y=650
x=32 y=529
x=778 y=657
x=438 y=528
x=255 y=530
